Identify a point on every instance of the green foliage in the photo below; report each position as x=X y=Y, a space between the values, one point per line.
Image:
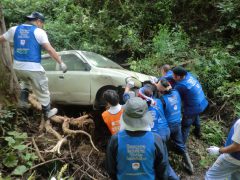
x=219 y=66
x=212 y=132
x=14 y=153
x=6 y=117
x=229 y=11
x=207 y=160
x=169 y=46
x=144 y=66
x=17 y=154
x=229 y=93
x=169 y=43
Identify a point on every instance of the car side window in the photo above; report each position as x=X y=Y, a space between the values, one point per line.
x=49 y=64
x=73 y=62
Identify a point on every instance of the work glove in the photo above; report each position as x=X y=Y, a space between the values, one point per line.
x=153 y=80
x=130 y=84
x=63 y=67
x=213 y=150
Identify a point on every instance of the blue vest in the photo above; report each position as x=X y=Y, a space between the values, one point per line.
x=135 y=157
x=159 y=120
x=172 y=110
x=26 y=47
x=194 y=100
x=229 y=142
x=168 y=75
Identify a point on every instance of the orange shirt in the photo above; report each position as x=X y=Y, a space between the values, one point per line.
x=112 y=121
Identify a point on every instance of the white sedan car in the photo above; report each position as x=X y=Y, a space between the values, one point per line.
x=88 y=76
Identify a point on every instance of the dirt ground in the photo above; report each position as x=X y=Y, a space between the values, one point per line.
x=196 y=147
x=83 y=161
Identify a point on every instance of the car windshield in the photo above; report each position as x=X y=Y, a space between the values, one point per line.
x=100 y=61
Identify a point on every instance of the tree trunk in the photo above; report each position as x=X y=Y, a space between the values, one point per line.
x=9 y=82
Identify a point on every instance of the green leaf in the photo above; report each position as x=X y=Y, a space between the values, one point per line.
x=13 y=133
x=230 y=46
x=10 y=161
x=20 y=147
x=10 y=140
x=20 y=170
x=22 y=136
x=18 y=135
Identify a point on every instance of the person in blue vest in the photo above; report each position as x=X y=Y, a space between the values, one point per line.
x=193 y=98
x=166 y=71
x=227 y=166
x=136 y=152
x=171 y=101
x=155 y=107
x=28 y=39
x=160 y=124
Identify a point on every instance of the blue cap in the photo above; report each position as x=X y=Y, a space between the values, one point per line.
x=36 y=16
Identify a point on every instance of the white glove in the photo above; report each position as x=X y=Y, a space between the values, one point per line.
x=153 y=80
x=213 y=150
x=130 y=84
x=63 y=67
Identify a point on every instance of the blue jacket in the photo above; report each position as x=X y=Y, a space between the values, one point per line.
x=192 y=95
x=172 y=109
x=26 y=47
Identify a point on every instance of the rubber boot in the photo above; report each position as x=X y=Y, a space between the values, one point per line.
x=48 y=112
x=188 y=163
x=23 y=100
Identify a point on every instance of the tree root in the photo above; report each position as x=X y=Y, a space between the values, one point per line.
x=33 y=101
x=58 y=146
x=37 y=150
x=66 y=130
x=80 y=122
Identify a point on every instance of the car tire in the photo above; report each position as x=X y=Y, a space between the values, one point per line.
x=100 y=104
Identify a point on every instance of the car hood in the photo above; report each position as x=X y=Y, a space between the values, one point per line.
x=123 y=72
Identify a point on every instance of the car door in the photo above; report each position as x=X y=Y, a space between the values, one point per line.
x=72 y=87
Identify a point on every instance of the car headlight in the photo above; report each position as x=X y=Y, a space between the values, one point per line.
x=137 y=83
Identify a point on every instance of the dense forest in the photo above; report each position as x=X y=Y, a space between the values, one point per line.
x=201 y=35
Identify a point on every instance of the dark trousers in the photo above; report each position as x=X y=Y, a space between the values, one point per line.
x=177 y=137
x=186 y=124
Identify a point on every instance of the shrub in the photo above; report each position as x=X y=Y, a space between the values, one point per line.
x=169 y=46
x=212 y=132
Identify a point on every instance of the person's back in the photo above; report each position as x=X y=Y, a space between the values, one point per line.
x=136 y=152
x=172 y=107
x=193 y=97
x=26 y=47
x=112 y=120
x=160 y=125
x=136 y=155
x=112 y=116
